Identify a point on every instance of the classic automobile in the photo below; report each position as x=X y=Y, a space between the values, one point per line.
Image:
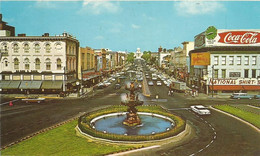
x=34 y=100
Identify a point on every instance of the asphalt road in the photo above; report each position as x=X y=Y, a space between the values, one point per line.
x=216 y=134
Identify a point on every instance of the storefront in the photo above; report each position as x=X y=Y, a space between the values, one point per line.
x=228 y=57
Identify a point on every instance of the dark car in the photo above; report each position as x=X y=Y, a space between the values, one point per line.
x=117 y=86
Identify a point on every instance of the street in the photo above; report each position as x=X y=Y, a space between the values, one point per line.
x=217 y=134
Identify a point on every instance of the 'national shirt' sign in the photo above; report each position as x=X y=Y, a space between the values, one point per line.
x=239 y=37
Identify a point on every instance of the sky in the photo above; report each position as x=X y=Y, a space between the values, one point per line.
x=128 y=25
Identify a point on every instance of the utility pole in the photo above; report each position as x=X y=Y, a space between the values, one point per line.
x=212 y=83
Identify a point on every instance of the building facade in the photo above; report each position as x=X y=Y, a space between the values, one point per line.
x=226 y=61
x=38 y=63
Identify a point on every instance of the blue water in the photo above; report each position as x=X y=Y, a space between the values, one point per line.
x=150 y=124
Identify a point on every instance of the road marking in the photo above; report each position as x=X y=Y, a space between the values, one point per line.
x=215 y=136
x=8 y=102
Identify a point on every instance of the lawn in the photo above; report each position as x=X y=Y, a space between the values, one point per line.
x=62 y=141
x=241 y=113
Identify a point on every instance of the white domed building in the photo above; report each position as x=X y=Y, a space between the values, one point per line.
x=138 y=54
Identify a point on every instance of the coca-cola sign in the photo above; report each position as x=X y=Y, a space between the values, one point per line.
x=239 y=37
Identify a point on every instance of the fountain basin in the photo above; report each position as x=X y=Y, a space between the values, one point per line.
x=87 y=124
x=151 y=124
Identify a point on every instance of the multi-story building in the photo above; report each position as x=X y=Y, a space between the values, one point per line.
x=6 y=30
x=38 y=63
x=162 y=53
x=226 y=61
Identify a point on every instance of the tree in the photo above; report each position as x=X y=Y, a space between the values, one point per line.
x=130 y=57
x=147 y=56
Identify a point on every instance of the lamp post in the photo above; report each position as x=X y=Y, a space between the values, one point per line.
x=212 y=83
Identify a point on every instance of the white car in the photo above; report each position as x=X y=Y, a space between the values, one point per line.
x=150 y=83
x=199 y=109
x=158 y=83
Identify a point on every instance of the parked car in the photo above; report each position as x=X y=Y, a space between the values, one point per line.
x=34 y=100
x=150 y=83
x=117 y=86
x=241 y=96
x=158 y=83
x=200 y=109
x=257 y=96
x=101 y=85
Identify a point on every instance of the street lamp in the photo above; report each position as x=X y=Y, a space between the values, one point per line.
x=212 y=83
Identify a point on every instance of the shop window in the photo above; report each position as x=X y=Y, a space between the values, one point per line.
x=238 y=60
x=16 y=48
x=246 y=73
x=246 y=60
x=37 y=63
x=48 y=48
x=215 y=60
x=231 y=60
x=216 y=73
x=16 y=63
x=26 y=64
x=48 y=64
x=26 y=48
x=37 y=48
x=253 y=73
x=254 y=60
x=223 y=60
x=223 y=73
x=58 y=64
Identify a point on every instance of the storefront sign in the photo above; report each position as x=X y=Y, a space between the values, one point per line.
x=220 y=37
x=200 y=59
x=234 y=74
x=234 y=82
x=239 y=37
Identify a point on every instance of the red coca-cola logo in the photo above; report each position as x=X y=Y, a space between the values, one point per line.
x=239 y=37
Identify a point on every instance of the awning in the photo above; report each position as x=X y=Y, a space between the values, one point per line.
x=30 y=85
x=13 y=85
x=51 y=85
x=4 y=84
x=235 y=87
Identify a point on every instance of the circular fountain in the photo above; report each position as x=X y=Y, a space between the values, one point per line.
x=131 y=121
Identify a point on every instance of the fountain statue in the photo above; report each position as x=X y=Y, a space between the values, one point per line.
x=132 y=119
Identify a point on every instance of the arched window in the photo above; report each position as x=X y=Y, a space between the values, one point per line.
x=16 y=48
x=37 y=63
x=26 y=48
x=58 y=64
x=48 y=48
x=37 y=48
x=26 y=64
x=5 y=62
x=16 y=63
x=48 y=64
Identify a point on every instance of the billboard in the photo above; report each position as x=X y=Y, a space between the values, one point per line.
x=214 y=37
x=200 y=59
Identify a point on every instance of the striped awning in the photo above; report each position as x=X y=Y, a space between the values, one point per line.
x=51 y=85
x=30 y=85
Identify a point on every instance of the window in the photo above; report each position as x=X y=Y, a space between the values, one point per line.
x=26 y=64
x=37 y=63
x=231 y=60
x=253 y=60
x=215 y=60
x=48 y=64
x=223 y=61
x=5 y=62
x=16 y=63
x=58 y=64
x=253 y=73
x=216 y=73
x=238 y=60
x=26 y=48
x=48 y=48
x=246 y=73
x=16 y=48
x=37 y=48
x=246 y=60
x=5 y=49
x=223 y=73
